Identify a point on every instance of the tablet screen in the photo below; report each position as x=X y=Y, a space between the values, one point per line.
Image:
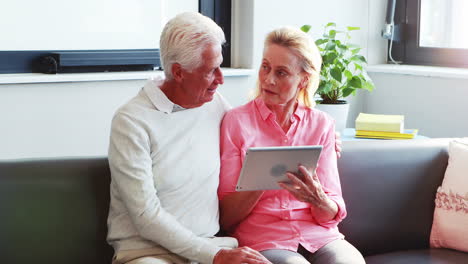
x=264 y=167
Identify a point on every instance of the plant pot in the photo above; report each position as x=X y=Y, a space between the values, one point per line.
x=338 y=111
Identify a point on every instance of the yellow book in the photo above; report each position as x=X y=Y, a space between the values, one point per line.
x=375 y=137
x=383 y=123
x=407 y=134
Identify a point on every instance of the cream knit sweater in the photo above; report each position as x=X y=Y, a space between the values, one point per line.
x=165 y=171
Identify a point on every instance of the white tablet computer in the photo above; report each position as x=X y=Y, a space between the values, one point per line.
x=264 y=167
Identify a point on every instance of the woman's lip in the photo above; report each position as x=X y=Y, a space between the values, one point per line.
x=268 y=91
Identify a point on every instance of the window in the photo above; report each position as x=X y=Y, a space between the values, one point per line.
x=128 y=28
x=432 y=32
x=220 y=12
x=87 y=27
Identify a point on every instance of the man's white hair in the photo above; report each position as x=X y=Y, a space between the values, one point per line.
x=183 y=39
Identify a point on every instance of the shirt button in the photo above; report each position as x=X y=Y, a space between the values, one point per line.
x=286 y=218
x=285 y=140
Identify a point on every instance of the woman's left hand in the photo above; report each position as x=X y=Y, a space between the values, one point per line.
x=308 y=190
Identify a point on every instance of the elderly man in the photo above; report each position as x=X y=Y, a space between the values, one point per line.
x=164 y=157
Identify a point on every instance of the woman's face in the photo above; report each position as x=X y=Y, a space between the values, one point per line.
x=280 y=76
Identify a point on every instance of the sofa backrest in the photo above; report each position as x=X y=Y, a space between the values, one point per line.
x=54 y=211
x=389 y=189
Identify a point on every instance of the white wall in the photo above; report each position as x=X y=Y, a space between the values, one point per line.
x=70 y=118
x=436 y=106
x=73 y=118
x=367 y=14
x=59 y=119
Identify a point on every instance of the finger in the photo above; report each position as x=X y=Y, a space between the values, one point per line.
x=254 y=256
x=313 y=182
x=255 y=261
x=308 y=177
x=289 y=188
x=338 y=147
x=298 y=183
x=338 y=144
x=297 y=193
x=315 y=177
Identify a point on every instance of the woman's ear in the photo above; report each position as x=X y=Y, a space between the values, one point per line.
x=177 y=73
x=304 y=82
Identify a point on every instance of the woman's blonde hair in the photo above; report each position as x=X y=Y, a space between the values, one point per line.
x=304 y=48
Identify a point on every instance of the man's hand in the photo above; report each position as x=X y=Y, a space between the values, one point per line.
x=240 y=255
x=338 y=144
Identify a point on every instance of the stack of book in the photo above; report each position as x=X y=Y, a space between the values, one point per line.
x=383 y=127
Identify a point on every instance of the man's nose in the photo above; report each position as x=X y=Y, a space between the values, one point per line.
x=219 y=76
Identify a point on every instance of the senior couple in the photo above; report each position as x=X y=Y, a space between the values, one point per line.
x=176 y=150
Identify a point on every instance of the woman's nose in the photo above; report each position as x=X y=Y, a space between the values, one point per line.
x=270 y=78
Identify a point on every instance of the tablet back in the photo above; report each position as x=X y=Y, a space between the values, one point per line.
x=264 y=167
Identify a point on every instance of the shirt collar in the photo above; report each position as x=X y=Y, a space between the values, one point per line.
x=265 y=112
x=159 y=99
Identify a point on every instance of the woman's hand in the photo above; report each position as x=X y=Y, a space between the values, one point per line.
x=310 y=191
x=338 y=144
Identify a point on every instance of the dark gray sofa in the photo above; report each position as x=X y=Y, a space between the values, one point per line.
x=54 y=210
x=389 y=187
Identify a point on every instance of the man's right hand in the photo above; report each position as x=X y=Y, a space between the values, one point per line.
x=240 y=255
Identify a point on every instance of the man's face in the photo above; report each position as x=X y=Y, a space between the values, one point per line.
x=200 y=84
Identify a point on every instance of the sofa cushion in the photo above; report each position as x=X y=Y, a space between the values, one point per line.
x=450 y=226
x=389 y=189
x=422 y=256
x=54 y=211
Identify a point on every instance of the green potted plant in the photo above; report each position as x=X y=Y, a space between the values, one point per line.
x=343 y=71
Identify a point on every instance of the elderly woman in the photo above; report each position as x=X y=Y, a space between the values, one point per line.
x=298 y=223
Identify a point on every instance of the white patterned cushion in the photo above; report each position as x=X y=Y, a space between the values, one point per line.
x=450 y=225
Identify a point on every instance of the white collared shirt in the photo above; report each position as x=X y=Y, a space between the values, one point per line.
x=159 y=98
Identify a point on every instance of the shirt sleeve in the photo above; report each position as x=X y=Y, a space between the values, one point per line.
x=131 y=171
x=231 y=158
x=327 y=172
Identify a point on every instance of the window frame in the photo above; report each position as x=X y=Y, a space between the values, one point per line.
x=220 y=12
x=408 y=51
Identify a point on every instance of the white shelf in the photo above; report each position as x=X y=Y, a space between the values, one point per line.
x=99 y=76
x=417 y=70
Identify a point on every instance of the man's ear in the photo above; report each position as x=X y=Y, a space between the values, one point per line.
x=177 y=73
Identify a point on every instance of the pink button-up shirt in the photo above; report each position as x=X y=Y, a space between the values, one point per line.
x=279 y=220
